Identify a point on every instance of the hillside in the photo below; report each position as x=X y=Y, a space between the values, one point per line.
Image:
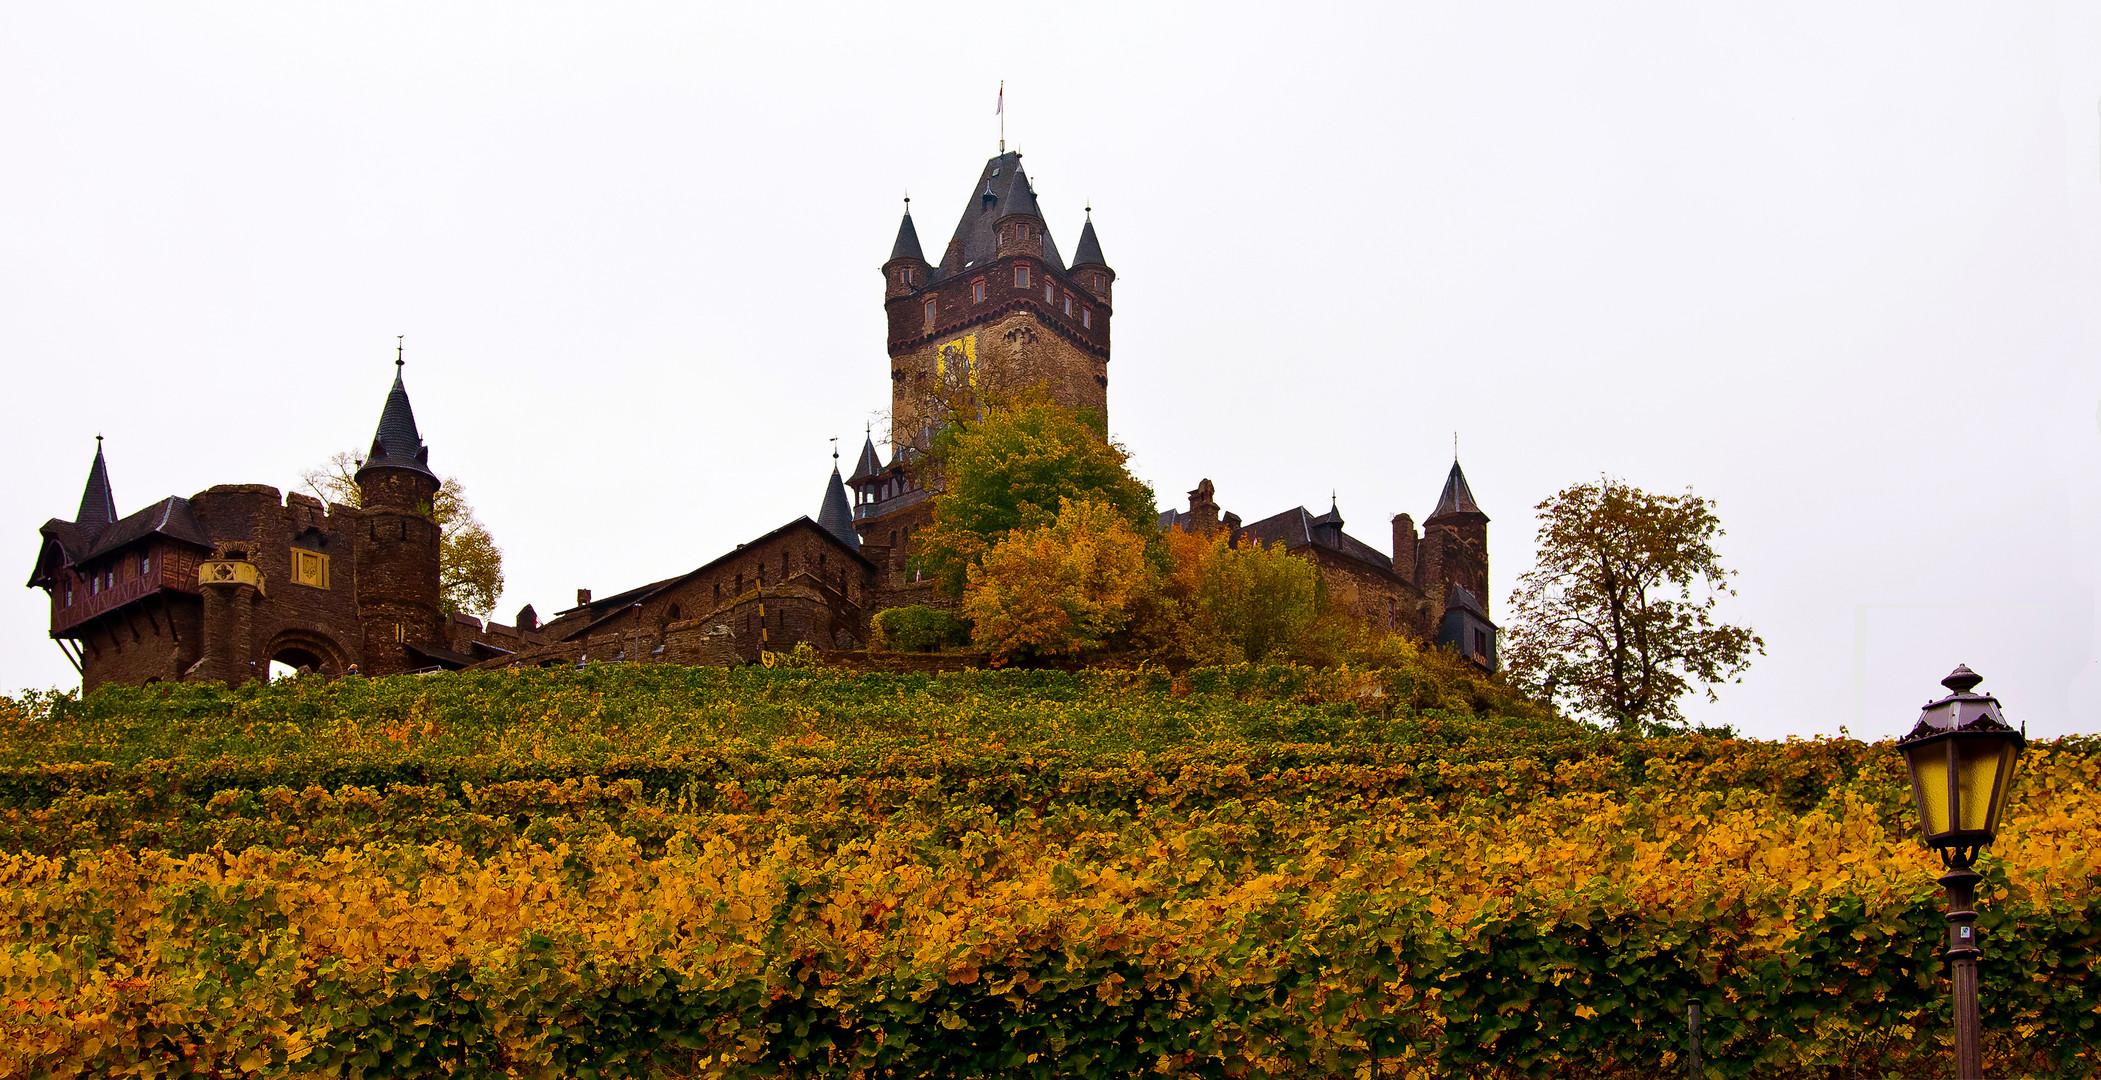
x=1248 y=871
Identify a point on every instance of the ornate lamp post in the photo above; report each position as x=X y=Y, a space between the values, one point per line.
x=1961 y=756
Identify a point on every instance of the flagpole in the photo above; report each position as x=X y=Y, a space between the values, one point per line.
x=1002 y=111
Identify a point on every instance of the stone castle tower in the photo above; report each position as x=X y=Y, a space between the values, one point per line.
x=1000 y=313
x=397 y=557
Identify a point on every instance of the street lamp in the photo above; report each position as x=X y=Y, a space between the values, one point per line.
x=1961 y=755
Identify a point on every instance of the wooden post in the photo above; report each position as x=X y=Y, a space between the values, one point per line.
x=1692 y=1039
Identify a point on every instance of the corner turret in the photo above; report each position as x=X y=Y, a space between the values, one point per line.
x=1089 y=269
x=907 y=270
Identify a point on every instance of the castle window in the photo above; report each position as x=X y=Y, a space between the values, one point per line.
x=930 y=310
x=1021 y=277
x=718 y=592
x=69 y=594
x=1050 y=294
x=1068 y=304
x=977 y=291
x=145 y=564
x=1087 y=317
x=1100 y=283
x=310 y=568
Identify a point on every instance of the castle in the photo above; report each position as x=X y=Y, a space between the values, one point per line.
x=220 y=585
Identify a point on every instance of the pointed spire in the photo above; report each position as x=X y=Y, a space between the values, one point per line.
x=1021 y=198
x=870 y=463
x=1090 y=249
x=1457 y=497
x=907 y=246
x=837 y=514
x=97 y=506
x=397 y=444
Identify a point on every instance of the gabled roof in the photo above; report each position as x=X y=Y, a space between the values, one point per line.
x=598 y=612
x=1298 y=528
x=1090 y=249
x=97 y=506
x=837 y=515
x=869 y=465
x=171 y=517
x=1002 y=190
x=1457 y=497
x=907 y=246
x=397 y=444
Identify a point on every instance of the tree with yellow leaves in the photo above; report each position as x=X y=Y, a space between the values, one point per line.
x=1058 y=589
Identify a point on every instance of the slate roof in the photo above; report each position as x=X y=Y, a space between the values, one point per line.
x=837 y=514
x=1002 y=190
x=1298 y=527
x=907 y=246
x=1090 y=249
x=170 y=517
x=397 y=444
x=97 y=506
x=1457 y=497
x=869 y=465
x=568 y=625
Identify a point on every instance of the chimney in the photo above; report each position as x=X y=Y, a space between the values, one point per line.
x=583 y=597
x=528 y=619
x=1404 y=541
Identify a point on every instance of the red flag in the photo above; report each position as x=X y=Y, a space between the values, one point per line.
x=1001 y=108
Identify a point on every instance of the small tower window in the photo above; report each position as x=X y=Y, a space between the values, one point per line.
x=1100 y=283
x=930 y=310
x=1050 y=293
x=1087 y=317
x=1021 y=277
x=1068 y=304
x=145 y=564
x=977 y=291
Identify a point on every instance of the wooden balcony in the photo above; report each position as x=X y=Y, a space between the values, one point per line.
x=101 y=603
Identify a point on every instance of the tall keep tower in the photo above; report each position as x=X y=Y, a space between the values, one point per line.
x=1000 y=313
x=397 y=557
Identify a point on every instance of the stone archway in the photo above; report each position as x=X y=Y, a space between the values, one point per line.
x=306 y=649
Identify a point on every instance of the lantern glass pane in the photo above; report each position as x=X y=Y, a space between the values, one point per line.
x=1978 y=766
x=1929 y=772
x=2012 y=757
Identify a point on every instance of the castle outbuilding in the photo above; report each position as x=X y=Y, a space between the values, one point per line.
x=219 y=585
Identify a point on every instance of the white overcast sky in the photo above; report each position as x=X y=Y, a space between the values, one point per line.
x=1834 y=266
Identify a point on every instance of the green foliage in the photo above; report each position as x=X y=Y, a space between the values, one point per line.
x=917 y=628
x=1279 y=871
x=470 y=565
x=1008 y=469
x=1618 y=615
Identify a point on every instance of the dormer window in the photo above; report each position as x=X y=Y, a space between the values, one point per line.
x=1021 y=277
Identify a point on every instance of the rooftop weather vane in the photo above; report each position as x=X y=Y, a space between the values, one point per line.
x=397 y=350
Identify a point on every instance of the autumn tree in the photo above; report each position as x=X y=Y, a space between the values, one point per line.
x=1618 y=615
x=470 y=565
x=1010 y=465
x=1248 y=603
x=1058 y=589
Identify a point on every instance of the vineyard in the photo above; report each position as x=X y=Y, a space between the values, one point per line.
x=632 y=871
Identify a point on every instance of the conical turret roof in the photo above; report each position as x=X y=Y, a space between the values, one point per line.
x=98 y=507
x=869 y=465
x=1090 y=249
x=907 y=246
x=397 y=444
x=837 y=514
x=1002 y=191
x=1457 y=498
